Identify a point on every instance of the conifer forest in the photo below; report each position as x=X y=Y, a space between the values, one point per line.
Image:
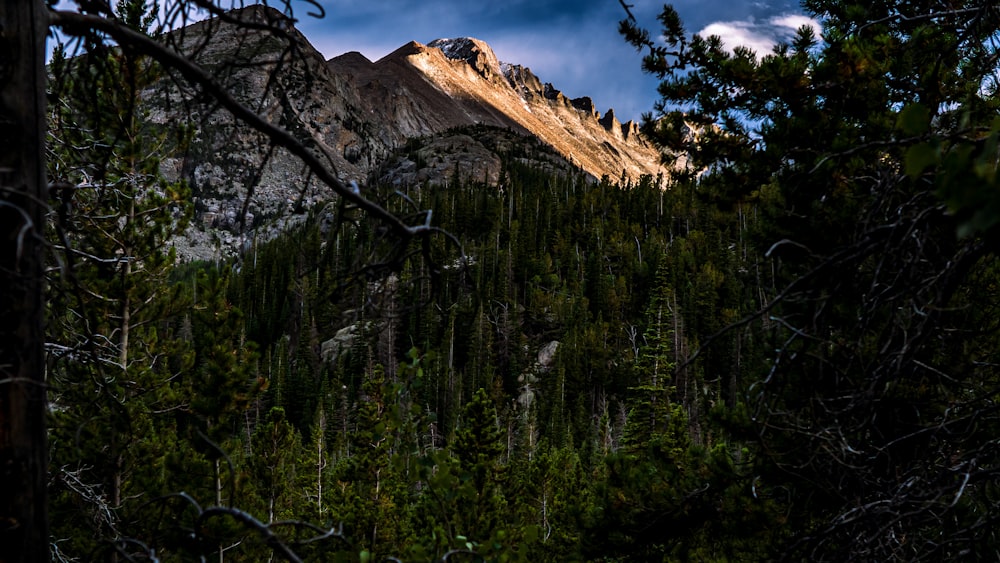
x=786 y=348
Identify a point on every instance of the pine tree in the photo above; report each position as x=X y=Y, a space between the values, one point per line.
x=369 y=485
x=556 y=495
x=314 y=475
x=478 y=445
x=274 y=468
x=653 y=405
x=115 y=327
x=870 y=157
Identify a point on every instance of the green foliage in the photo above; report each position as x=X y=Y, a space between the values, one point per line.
x=273 y=467
x=370 y=486
x=406 y=402
x=474 y=446
x=869 y=157
x=785 y=349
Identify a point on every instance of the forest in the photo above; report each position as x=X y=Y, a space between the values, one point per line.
x=786 y=349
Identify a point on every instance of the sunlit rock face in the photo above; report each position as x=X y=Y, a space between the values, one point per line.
x=358 y=115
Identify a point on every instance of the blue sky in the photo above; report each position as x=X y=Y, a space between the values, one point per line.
x=572 y=44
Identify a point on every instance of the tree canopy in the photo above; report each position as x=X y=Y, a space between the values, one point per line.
x=871 y=153
x=785 y=350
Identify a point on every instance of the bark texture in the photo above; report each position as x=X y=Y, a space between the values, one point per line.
x=23 y=517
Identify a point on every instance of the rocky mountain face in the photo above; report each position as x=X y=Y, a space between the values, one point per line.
x=359 y=115
x=424 y=89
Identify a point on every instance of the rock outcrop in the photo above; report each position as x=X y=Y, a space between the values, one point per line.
x=425 y=89
x=356 y=114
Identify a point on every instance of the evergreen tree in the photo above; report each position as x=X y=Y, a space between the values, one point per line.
x=654 y=406
x=478 y=445
x=314 y=475
x=118 y=346
x=369 y=486
x=555 y=497
x=870 y=156
x=273 y=469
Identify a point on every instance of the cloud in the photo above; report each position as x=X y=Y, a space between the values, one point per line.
x=795 y=21
x=746 y=34
x=761 y=37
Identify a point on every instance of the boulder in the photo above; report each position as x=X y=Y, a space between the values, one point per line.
x=331 y=349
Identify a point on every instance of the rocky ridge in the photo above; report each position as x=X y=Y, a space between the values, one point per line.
x=357 y=114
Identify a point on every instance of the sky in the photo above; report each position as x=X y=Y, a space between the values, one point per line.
x=573 y=44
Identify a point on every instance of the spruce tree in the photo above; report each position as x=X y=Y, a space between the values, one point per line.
x=478 y=445
x=115 y=318
x=369 y=485
x=654 y=397
x=274 y=468
x=869 y=154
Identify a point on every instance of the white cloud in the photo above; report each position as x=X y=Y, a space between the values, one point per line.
x=747 y=34
x=761 y=37
x=795 y=21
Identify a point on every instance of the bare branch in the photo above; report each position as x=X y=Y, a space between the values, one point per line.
x=78 y=24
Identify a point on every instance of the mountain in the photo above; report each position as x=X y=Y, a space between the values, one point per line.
x=423 y=89
x=358 y=115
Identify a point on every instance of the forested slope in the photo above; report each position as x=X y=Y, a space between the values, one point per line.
x=785 y=350
x=528 y=395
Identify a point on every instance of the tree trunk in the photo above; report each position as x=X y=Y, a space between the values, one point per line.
x=23 y=456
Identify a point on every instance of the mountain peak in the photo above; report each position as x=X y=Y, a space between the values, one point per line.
x=477 y=53
x=352 y=59
x=411 y=48
x=365 y=115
